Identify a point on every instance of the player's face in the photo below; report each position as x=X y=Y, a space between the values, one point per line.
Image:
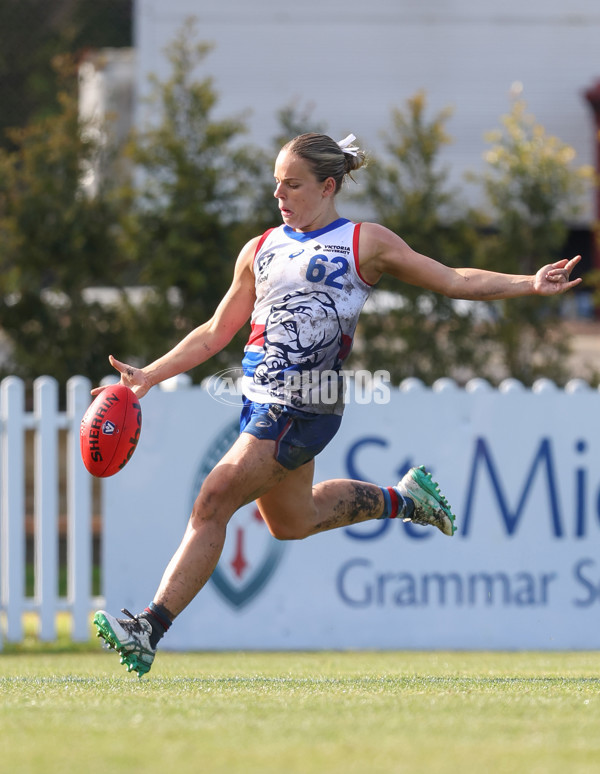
x=305 y=203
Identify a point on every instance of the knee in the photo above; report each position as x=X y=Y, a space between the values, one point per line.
x=286 y=529
x=216 y=496
x=287 y=532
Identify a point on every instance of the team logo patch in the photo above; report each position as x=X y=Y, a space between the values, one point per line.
x=108 y=428
x=251 y=555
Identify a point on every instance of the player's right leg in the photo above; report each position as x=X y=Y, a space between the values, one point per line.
x=245 y=472
x=130 y=637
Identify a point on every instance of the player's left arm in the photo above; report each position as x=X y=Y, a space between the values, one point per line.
x=383 y=252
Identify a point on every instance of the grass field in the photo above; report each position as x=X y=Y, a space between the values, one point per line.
x=363 y=713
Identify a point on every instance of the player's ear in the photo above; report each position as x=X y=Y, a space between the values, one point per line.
x=329 y=187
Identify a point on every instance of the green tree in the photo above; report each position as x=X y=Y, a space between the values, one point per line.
x=534 y=192
x=410 y=331
x=193 y=187
x=32 y=33
x=55 y=243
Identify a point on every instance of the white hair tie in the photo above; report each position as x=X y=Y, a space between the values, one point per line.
x=346 y=147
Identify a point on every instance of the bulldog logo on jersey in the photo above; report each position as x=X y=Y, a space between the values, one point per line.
x=302 y=331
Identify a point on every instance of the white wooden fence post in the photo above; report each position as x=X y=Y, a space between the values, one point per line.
x=79 y=519
x=12 y=506
x=46 y=504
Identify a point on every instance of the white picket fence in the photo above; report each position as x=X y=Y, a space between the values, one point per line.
x=46 y=422
x=40 y=453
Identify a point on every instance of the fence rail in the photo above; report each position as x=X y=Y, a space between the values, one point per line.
x=47 y=424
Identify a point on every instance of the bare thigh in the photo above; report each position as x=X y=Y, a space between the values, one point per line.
x=288 y=507
x=243 y=474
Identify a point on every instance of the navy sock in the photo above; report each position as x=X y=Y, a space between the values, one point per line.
x=160 y=619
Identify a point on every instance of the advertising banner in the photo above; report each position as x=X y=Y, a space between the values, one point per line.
x=520 y=468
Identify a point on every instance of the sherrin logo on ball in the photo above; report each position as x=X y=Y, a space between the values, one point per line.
x=110 y=430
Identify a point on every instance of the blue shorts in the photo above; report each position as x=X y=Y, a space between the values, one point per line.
x=299 y=436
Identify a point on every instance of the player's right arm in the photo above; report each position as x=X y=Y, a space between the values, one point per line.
x=207 y=339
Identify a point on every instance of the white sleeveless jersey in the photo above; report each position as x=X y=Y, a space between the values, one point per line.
x=309 y=294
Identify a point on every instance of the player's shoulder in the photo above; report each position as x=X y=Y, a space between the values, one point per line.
x=375 y=231
x=378 y=246
x=251 y=249
x=254 y=244
x=374 y=237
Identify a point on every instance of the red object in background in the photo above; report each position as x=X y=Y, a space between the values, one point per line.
x=592 y=95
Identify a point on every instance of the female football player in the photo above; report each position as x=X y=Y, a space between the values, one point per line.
x=302 y=285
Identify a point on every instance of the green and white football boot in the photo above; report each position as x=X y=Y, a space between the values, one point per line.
x=431 y=507
x=130 y=638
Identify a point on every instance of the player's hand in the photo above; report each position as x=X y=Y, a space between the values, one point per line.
x=555 y=277
x=131 y=377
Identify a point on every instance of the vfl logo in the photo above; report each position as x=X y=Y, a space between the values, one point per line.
x=108 y=428
x=250 y=555
x=262 y=266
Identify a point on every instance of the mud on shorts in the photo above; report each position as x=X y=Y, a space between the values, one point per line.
x=298 y=435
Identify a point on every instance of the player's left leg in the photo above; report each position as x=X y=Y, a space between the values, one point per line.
x=295 y=509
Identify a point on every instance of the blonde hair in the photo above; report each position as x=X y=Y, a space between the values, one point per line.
x=325 y=157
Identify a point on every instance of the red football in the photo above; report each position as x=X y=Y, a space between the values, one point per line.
x=110 y=430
